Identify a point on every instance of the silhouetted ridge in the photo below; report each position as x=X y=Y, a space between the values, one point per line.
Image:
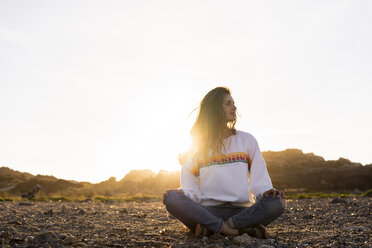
x=23 y=182
x=138 y=175
x=294 y=169
x=289 y=169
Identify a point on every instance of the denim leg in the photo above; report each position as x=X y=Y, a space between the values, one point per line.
x=224 y=211
x=191 y=213
x=263 y=212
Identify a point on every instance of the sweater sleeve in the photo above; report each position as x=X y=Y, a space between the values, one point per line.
x=259 y=181
x=190 y=182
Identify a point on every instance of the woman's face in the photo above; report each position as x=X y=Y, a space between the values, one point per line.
x=229 y=108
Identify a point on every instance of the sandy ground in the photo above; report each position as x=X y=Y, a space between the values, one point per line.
x=305 y=223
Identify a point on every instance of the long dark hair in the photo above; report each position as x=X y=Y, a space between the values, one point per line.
x=207 y=132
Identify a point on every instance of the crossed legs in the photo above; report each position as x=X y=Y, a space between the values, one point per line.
x=190 y=213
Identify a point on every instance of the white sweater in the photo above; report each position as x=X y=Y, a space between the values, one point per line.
x=238 y=176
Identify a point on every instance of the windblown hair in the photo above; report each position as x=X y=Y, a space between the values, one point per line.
x=208 y=129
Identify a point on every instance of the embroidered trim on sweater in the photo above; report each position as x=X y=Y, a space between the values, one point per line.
x=222 y=160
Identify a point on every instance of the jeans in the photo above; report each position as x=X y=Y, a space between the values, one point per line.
x=190 y=213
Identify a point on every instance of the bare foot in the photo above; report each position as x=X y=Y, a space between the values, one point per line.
x=198 y=230
x=227 y=230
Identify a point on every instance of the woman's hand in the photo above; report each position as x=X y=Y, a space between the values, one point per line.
x=274 y=192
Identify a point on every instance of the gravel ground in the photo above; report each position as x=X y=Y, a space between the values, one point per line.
x=322 y=222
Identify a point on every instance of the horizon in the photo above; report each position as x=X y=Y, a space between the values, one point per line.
x=91 y=90
x=117 y=179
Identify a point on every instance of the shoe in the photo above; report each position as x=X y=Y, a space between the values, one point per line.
x=257 y=231
x=201 y=231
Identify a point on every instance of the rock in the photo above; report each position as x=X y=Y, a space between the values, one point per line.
x=80 y=244
x=288 y=211
x=61 y=236
x=271 y=240
x=64 y=210
x=213 y=246
x=17 y=239
x=49 y=237
x=308 y=217
x=15 y=223
x=50 y=212
x=178 y=244
x=215 y=236
x=70 y=240
x=123 y=211
x=163 y=232
x=21 y=245
x=243 y=239
x=338 y=200
x=25 y=204
x=29 y=238
x=266 y=246
x=6 y=235
x=356 y=228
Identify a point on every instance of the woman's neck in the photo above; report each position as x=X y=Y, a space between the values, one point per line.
x=227 y=132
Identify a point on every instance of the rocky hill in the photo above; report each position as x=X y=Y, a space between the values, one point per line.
x=20 y=182
x=289 y=169
x=293 y=169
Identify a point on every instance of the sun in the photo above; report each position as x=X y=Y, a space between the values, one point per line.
x=179 y=141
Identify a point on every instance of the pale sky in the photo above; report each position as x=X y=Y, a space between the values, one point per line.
x=94 y=89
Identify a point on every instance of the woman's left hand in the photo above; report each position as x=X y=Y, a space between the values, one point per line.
x=274 y=192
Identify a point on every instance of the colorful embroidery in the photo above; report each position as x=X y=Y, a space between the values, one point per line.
x=222 y=159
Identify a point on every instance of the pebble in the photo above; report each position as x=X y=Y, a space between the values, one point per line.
x=64 y=210
x=243 y=239
x=356 y=228
x=15 y=223
x=163 y=232
x=338 y=200
x=215 y=236
x=45 y=237
x=123 y=211
x=266 y=246
x=6 y=234
x=271 y=240
x=178 y=244
x=50 y=212
x=80 y=244
x=70 y=240
x=308 y=217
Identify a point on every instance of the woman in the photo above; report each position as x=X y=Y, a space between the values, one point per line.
x=225 y=186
